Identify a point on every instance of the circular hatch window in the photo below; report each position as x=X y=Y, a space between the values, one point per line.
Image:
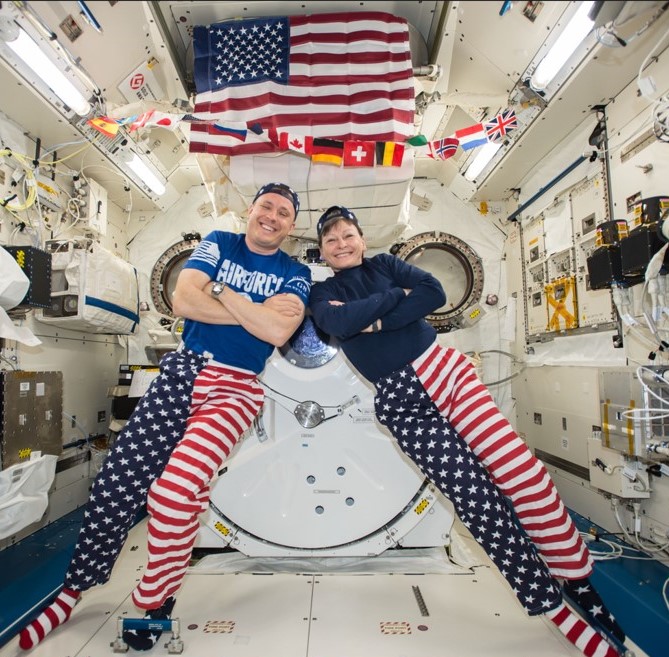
x=457 y=267
x=167 y=269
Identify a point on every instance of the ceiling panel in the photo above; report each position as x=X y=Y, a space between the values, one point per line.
x=482 y=53
x=604 y=75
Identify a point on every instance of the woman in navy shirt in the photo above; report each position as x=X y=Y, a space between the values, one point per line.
x=445 y=420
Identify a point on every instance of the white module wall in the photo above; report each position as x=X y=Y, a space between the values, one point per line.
x=556 y=244
x=534 y=261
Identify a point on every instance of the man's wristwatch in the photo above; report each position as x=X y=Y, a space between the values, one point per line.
x=217 y=288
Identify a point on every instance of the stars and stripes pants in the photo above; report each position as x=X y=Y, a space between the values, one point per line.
x=451 y=382
x=224 y=403
x=142 y=450
x=446 y=421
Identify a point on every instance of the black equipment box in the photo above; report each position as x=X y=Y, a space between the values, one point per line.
x=637 y=250
x=36 y=265
x=605 y=267
x=650 y=210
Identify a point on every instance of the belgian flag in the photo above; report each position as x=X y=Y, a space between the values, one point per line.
x=389 y=154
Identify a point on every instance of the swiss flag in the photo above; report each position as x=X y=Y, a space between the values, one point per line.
x=359 y=153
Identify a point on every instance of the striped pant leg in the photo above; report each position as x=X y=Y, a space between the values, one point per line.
x=136 y=458
x=451 y=382
x=430 y=441
x=224 y=406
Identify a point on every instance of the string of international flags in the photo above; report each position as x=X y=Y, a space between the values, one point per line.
x=354 y=153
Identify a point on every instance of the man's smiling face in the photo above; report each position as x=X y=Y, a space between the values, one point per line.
x=271 y=220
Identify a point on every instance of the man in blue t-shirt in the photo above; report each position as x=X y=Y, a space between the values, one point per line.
x=241 y=296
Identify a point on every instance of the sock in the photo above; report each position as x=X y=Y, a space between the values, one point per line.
x=587 y=640
x=50 y=618
x=146 y=639
x=582 y=594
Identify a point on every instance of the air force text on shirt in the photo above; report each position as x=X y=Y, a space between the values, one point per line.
x=259 y=283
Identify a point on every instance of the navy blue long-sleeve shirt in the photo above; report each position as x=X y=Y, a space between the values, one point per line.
x=375 y=290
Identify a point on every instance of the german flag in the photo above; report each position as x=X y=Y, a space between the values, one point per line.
x=389 y=154
x=328 y=151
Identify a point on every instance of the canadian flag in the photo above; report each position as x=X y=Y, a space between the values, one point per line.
x=287 y=142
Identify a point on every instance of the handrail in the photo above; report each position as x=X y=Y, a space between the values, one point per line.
x=543 y=190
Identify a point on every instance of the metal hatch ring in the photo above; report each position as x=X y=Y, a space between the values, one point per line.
x=166 y=270
x=457 y=267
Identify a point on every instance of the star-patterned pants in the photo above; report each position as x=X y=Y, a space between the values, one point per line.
x=451 y=383
x=445 y=420
x=224 y=403
x=138 y=456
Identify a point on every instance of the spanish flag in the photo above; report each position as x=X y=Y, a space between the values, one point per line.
x=389 y=154
x=108 y=127
x=328 y=151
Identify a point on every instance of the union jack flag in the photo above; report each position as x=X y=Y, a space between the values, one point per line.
x=501 y=125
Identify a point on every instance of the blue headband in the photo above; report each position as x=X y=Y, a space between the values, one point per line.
x=282 y=190
x=335 y=212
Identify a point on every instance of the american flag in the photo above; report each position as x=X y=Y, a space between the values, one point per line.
x=343 y=76
x=501 y=125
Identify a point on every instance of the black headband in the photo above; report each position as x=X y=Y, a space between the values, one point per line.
x=282 y=190
x=335 y=212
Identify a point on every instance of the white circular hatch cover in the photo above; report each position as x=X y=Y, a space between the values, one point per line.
x=317 y=471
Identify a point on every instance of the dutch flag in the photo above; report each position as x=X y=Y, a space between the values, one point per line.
x=471 y=137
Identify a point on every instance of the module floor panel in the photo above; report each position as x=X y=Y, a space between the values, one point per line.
x=472 y=614
x=467 y=615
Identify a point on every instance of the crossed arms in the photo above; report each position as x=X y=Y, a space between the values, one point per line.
x=273 y=321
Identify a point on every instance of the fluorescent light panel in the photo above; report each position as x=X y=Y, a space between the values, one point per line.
x=49 y=73
x=146 y=175
x=572 y=36
x=482 y=159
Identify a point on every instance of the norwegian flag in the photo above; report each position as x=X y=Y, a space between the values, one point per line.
x=501 y=125
x=442 y=149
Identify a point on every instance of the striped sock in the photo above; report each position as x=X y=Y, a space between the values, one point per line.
x=587 y=640
x=50 y=618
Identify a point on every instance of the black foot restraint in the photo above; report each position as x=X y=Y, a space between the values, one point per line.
x=145 y=639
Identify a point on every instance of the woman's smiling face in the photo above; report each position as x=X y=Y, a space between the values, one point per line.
x=342 y=245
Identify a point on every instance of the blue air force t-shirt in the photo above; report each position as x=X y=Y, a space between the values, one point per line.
x=225 y=257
